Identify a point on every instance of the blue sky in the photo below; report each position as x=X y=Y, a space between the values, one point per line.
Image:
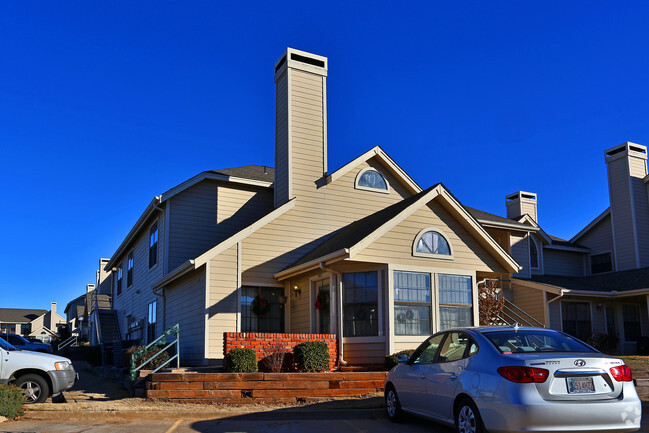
x=104 y=105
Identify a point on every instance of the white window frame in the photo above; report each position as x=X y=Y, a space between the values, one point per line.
x=439 y=231
x=366 y=188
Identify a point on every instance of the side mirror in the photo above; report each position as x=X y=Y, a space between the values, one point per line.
x=402 y=358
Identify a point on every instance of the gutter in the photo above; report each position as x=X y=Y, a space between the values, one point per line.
x=311 y=265
x=181 y=270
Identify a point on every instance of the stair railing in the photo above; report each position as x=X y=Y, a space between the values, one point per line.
x=511 y=313
x=72 y=341
x=161 y=340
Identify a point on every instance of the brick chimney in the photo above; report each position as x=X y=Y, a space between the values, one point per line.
x=300 y=123
x=626 y=165
x=521 y=203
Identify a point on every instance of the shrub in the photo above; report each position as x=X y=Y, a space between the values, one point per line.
x=311 y=356
x=138 y=356
x=11 y=401
x=276 y=358
x=391 y=361
x=242 y=361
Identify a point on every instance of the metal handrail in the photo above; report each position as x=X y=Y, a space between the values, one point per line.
x=528 y=318
x=175 y=330
x=70 y=341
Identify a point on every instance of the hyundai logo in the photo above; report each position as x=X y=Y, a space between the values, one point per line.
x=580 y=363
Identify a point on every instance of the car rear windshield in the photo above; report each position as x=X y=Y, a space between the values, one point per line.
x=524 y=340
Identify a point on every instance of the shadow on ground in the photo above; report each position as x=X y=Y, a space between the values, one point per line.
x=92 y=387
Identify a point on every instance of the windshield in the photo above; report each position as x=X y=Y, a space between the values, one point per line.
x=16 y=339
x=510 y=341
x=5 y=345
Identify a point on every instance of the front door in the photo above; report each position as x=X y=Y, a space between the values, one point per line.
x=322 y=307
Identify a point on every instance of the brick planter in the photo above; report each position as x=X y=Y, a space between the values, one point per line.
x=264 y=342
x=250 y=388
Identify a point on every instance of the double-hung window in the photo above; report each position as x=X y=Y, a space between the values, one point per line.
x=153 y=245
x=129 y=270
x=120 y=272
x=631 y=315
x=455 y=301
x=360 y=304
x=412 y=303
x=576 y=319
x=151 y=321
x=261 y=309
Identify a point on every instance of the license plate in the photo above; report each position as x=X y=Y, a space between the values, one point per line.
x=580 y=385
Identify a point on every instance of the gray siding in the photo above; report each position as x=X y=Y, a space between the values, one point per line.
x=134 y=300
x=210 y=212
x=568 y=263
x=281 y=141
x=623 y=227
x=185 y=305
x=554 y=313
x=599 y=239
x=520 y=251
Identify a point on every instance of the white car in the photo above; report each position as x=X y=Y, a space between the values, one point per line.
x=39 y=375
x=513 y=379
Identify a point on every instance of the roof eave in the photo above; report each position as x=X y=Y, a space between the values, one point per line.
x=328 y=259
x=592 y=224
x=181 y=270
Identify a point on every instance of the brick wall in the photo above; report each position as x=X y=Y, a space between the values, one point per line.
x=264 y=342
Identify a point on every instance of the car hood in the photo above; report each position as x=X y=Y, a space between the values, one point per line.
x=31 y=357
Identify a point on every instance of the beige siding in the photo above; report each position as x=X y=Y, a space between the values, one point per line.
x=520 y=252
x=210 y=212
x=364 y=353
x=621 y=212
x=641 y=208
x=531 y=301
x=396 y=246
x=223 y=300
x=398 y=347
x=134 y=300
x=281 y=140
x=302 y=306
x=567 y=263
x=185 y=305
x=599 y=239
x=314 y=218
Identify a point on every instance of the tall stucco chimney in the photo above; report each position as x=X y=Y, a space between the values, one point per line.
x=521 y=203
x=300 y=123
x=627 y=166
x=53 y=308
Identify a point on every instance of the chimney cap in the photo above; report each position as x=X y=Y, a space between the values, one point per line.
x=624 y=149
x=302 y=60
x=521 y=195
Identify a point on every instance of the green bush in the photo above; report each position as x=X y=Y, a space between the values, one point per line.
x=136 y=354
x=242 y=361
x=391 y=361
x=311 y=356
x=11 y=401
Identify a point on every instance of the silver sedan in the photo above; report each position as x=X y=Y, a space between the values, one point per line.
x=513 y=379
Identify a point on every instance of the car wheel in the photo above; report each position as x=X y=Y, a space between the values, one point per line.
x=467 y=418
x=34 y=387
x=392 y=405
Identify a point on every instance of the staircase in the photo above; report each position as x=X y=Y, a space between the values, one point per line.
x=108 y=326
x=511 y=314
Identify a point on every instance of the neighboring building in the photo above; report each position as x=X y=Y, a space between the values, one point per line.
x=31 y=323
x=596 y=283
x=79 y=311
x=361 y=252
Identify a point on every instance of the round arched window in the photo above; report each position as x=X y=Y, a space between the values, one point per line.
x=433 y=243
x=372 y=179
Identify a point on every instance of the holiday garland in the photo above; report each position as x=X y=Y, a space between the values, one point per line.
x=260 y=306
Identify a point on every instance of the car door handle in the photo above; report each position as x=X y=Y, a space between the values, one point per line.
x=423 y=376
x=454 y=377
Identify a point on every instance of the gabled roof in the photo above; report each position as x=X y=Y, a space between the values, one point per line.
x=258 y=175
x=590 y=225
x=490 y=220
x=352 y=239
x=19 y=315
x=385 y=159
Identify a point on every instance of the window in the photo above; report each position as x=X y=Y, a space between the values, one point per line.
x=455 y=301
x=25 y=329
x=412 y=303
x=120 y=271
x=129 y=270
x=427 y=351
x=371 y=179
x=430 y=242
x=534 y=254
x=576 y=319
x=151 y=321
x=631 y=315
x=261 y=310
x=454 y=347
x=600 y=263
x=360 y=304
x=153 y=245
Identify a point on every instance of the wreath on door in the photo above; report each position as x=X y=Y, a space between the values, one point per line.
x=322 y=301
x=260 y=306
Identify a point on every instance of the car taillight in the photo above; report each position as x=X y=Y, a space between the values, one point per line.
x=520 y=374
x=622 y=373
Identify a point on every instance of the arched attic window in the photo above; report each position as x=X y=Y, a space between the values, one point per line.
x=371 y=180
x=431 y=242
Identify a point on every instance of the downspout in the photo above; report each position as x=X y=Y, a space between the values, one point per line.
x=339 y=311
